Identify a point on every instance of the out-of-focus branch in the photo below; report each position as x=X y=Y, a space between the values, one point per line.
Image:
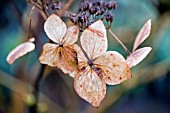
x=24 y=90
x=40 y=8
x=66 y=7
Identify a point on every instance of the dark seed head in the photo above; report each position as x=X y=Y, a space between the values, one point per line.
x=73 y=18
x=109 y=5
x=105 y=5
x=109 y=17
x=56 y=6
x=90 y=63
x=93 y=10
x=114 y=5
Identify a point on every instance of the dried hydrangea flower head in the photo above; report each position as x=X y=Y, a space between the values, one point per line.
x=63 y=54
x=99 y=67
x=91 y=11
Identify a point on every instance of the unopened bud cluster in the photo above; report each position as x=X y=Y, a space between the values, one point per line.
x=91 y=11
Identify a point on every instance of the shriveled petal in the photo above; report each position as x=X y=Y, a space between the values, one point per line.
x=143 y=34
x=112 y=68
x=94 y=40
x=90 y=86
x=68 y=60
x=137 y=56
x=49 y=55
x=55 y=28
x=19 y=51
x=81 y=60
x=71 y=35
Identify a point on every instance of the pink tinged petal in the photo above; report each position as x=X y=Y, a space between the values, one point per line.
x=19 y=51
x=137 y=56
x=71 y=35
x=90 y=86
x=112 y=68
x=71 y=73
x=94 y=40
x=55 y=28
x=143 y=34
x=49 y=55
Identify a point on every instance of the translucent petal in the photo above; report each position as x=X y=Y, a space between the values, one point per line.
x=19 y=51
x=90 y=86
x=71 y=35
x=80 y=57
x=55 y=28
x=112 y=68
x=94 y=40
x=49 y=55
x=137 y=56
x=142 y=35
x=67 y=59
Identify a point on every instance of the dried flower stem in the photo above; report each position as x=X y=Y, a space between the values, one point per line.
x=66 y=7
x=30 y=20
x=117 y=39
x=39 y=8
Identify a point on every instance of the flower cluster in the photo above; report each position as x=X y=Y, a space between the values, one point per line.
x=92 y=67
x=91 y=11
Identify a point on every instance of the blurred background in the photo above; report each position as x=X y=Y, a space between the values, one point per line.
x=147 y=92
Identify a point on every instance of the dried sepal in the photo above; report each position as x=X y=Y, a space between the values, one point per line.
x=90 y=86
x=143 y=34
x=55 y=28
x=49 y=55
x=94 y=40
x=19 y=51
x=71 y=36
x=79 y=57
x=137 y=56
x=67 y=58
x=112 y=68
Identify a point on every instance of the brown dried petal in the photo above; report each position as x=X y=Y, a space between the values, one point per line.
x=90 y=86
x=68 y=59
x=49 y=55
x=112 y=68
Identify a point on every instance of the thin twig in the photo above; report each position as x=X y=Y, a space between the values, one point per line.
x=39 y=8
x=30 y=20
x=66 y=7
x=124 y=47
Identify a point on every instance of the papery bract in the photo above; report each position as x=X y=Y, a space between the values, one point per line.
x=63 y=55
x=20 y=50
x=143 y=34
x=100 y=68
x=138 y=55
